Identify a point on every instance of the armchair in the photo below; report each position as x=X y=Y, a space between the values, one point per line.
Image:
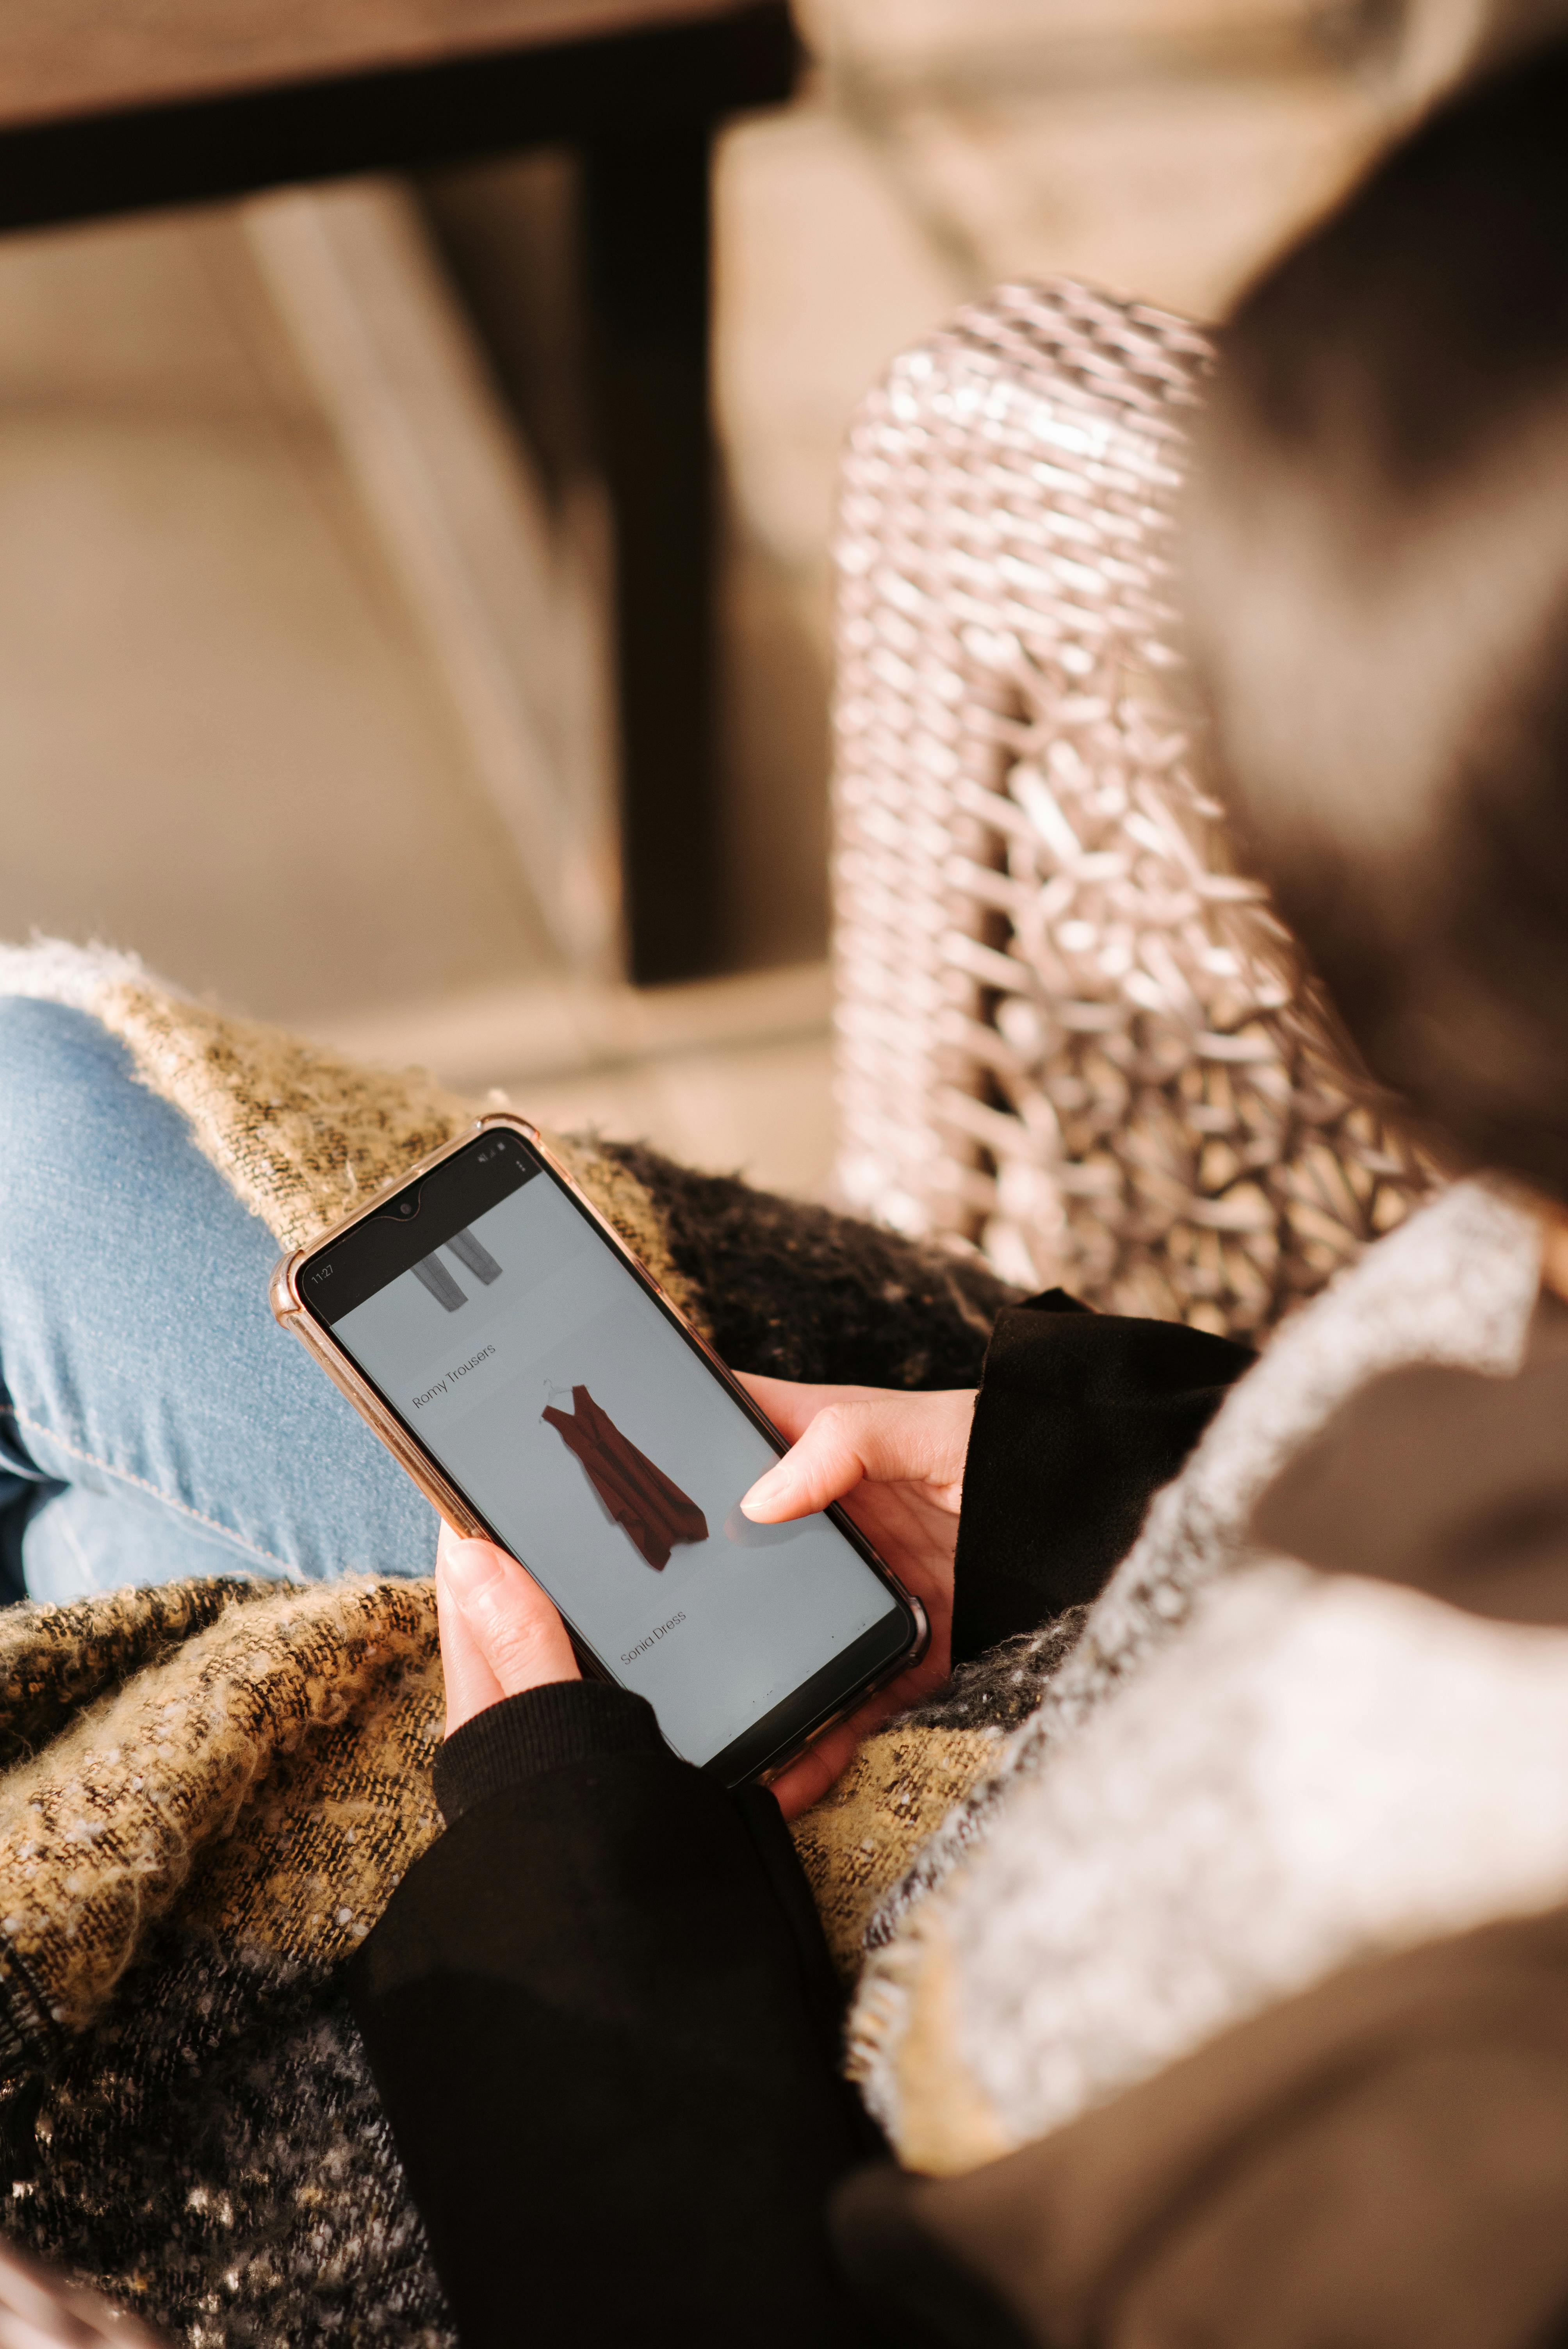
x=1068 y=1034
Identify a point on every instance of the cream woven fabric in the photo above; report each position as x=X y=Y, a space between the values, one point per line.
x=1067 y=1032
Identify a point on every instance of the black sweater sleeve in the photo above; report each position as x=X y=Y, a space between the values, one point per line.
x=604 y=2027
x=1081 y=1418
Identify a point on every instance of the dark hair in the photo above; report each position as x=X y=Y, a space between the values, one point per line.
x=1378 y=569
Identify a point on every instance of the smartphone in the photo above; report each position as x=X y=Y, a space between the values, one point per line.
x=541 y=1390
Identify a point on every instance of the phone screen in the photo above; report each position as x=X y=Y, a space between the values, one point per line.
x=595 y=1441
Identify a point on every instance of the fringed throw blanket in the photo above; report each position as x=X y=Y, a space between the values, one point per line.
x=226 y=1781
x=208 y=1790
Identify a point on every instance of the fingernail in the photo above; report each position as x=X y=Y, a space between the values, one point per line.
x=768 y=1490
x=469 y=1567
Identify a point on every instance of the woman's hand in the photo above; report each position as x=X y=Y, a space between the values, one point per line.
x=500 y=1633
x=896 y=1462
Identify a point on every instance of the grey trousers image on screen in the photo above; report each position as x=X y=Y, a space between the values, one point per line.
x=474 y=1255
x=470 y=1252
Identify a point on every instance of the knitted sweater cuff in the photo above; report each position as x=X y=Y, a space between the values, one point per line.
x=541 y=1729
x=1081 y=1417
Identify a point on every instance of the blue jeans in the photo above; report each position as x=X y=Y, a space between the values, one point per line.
x=154 y=1420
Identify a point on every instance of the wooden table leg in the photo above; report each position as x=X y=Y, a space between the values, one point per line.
x=647 y=271
x=647 y=219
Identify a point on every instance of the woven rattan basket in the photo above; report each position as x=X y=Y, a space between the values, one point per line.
x=1066 y=1032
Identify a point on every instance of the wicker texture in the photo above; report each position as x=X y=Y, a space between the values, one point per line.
x=1067 y=1033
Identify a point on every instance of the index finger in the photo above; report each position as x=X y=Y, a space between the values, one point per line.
x=791 y=1404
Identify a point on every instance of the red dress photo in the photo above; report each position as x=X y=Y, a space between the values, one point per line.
x=647 y=1505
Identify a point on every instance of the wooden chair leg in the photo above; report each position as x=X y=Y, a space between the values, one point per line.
x=647 y=221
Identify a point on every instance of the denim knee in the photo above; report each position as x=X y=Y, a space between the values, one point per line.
x=78 y=1133
x=60 y=1072
x=100 y=1180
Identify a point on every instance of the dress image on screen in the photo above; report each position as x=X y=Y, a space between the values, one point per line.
x=649 y=1507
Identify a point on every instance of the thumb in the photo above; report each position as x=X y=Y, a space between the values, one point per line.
x=515 y=1629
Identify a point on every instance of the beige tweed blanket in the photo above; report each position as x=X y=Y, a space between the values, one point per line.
x=249 y=1764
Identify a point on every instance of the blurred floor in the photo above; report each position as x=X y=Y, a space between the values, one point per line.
x=725 y=1073
x=220 y=741
x=225 y=739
